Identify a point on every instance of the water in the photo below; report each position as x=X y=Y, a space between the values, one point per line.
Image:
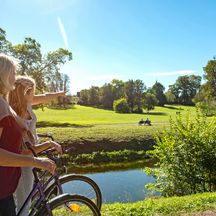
x=122 y=182
x=123 y=186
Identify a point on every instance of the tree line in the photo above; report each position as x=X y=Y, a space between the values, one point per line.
x=44 y=68
x=134 y=96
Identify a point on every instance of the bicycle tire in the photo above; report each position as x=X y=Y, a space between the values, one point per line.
x=72 y=179
x=64 y=199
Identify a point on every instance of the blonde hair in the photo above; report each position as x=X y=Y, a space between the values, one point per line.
x=17 y=101
x=7 y=66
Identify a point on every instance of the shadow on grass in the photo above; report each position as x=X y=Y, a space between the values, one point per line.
x=62 y=107
x=57 y=124
x=155 y=113
x=175 y=108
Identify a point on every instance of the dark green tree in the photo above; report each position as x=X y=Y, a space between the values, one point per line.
x=117 y=88
x=210 y=77
x=185 y=88
x=158 y=89
x=130 y=93
x=84 y=97
x=149 y=101
x=106 y=96
x=94 y=96
x=139 y=88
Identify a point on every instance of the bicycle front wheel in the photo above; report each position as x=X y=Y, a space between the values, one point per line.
x=77 y=184
x=75 y=205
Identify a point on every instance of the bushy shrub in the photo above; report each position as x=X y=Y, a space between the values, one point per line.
x=121 y=106
x=207 y=108
x=187 y=157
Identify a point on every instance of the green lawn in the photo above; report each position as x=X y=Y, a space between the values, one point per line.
x=102 y=133
x=81 y=115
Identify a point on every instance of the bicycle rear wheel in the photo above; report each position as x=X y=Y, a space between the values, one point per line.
x=75 y=205
x=77 y=184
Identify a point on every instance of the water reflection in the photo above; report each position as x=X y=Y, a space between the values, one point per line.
x=123 y=186
x=123 y=182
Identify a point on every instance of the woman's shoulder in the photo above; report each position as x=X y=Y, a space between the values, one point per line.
x=4 y=108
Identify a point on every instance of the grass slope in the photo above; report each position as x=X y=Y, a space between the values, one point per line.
x=81 y=115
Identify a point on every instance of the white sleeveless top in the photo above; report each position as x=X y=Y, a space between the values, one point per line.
x=32 y=123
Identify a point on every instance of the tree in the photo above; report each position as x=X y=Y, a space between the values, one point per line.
x=158 y=90
x=5 y=45
x=84 y=97
x=121 y=106
x=94 y=99
x=210 y=77
x=139 y=88
x=185 y=88
x=129 y=93
x=117 y=88
x=106 y=96
x=149 y=101
x=51 y=66
x=134 y=94
x=170 y=97
x=45 y=69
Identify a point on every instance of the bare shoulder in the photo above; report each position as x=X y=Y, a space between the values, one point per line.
x=4 y=108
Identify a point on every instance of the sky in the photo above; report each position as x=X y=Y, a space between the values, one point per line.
x=151 y=40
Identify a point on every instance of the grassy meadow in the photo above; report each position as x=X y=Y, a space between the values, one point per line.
x=81 y=115
x=95 y=130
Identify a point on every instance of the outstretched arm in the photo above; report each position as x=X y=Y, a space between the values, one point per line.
x=44 y=98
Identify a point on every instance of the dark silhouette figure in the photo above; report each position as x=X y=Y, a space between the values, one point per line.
x=146 y=122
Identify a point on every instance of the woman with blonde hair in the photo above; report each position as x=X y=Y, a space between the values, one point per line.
x=21 y=100
x=11 y=129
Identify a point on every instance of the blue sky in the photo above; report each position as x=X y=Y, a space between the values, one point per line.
x=122 y=39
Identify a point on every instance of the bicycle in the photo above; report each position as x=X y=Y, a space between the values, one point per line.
x=70 y=204
x=75 y=184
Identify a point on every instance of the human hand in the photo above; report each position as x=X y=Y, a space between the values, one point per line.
x=45 y=164
x=57 y=147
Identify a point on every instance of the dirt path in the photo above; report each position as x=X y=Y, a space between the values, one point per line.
x=131 y=124
x=205 y=213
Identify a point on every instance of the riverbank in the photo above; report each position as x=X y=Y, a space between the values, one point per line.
x=197 y=204
x=105 y=144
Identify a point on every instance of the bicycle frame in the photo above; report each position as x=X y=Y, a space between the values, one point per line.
x=54 y=177
x=37 y=188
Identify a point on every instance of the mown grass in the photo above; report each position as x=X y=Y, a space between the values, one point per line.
x=102 y=133
x=104 y=138
x=163 y=206
x=79 y=116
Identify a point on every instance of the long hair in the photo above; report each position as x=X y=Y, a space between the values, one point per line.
x=17 y=101
x=7 y=66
